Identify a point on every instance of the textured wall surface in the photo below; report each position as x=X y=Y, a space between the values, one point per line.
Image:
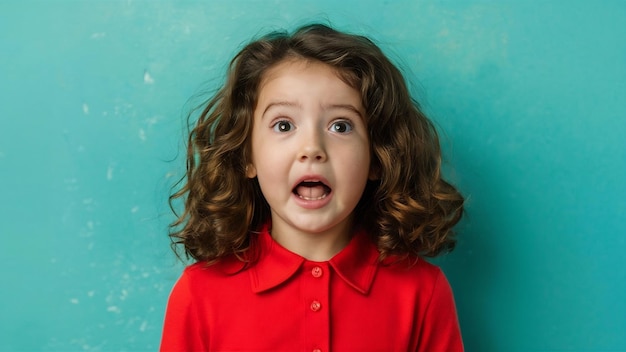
x=529 y=96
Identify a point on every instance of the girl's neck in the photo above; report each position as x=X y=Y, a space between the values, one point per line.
x=317 y=247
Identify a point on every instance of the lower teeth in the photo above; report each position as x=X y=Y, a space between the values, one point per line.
x=307 y=198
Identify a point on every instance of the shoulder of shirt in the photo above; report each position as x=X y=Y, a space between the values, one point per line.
x=224 y=267
x=412 y=275
x=412 y=267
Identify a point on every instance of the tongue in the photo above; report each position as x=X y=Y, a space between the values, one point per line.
x=311 y=192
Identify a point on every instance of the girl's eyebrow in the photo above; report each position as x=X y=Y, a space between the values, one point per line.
x=280 y=103
x=349 y=107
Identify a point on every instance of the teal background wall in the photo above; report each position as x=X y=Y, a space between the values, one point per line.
x=530 y=97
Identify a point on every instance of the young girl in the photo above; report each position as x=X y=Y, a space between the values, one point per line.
x=312 y=193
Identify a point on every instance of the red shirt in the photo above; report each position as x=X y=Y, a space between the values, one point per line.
x=285 y=302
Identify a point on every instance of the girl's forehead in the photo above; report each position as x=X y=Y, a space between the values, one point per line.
x=290 y=65
x=298 y=75
x=291 y=71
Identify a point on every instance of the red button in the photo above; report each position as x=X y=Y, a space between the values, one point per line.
x=315 y=306
x=317 y=272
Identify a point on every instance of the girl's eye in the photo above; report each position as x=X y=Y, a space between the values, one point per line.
x=341 y=127
x=282 y=126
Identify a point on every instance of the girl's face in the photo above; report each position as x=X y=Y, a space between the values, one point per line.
x=310 y=149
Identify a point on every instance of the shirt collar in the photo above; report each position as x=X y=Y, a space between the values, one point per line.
x=356 y=264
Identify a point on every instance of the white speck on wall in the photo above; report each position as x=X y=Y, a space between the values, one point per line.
x=134 y=209
x=114 y=309
x=71 y=184
x=143 y=326
x=90 y=225
x=158 y=287
x=86 y=109
x=142 y=134
x=109 y=299
x=147 y=79
x=91 y=293
x=74 y=301
x=98 y=35
x=152 y=120
x=110 y=172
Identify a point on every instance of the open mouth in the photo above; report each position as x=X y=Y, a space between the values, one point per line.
x=311 y=190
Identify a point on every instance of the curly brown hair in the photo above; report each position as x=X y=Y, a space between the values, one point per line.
x=409 y=210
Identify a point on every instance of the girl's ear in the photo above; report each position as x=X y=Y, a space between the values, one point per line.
x=250 y=171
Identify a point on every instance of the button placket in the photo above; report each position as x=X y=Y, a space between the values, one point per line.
x=316 y=299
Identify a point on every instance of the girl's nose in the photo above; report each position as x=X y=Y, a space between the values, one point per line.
x=312 y=148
